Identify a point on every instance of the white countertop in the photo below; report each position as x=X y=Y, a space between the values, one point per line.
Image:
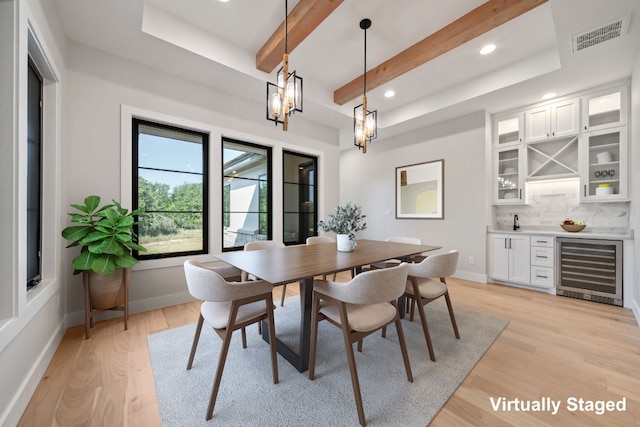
x=587 y=233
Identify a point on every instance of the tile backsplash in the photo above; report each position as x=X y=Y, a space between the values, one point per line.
x=548 y=203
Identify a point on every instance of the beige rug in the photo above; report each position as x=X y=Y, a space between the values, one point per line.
x=248 y=396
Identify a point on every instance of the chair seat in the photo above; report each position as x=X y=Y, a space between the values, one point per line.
x=429 y=288
x=217 y=313
x=362 y=318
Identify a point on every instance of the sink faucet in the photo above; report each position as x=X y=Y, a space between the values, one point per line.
x=515 y=222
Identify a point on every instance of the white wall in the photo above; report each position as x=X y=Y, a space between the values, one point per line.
x=368 y=180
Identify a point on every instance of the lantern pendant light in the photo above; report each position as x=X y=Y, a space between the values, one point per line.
x=365 y=122
x=285 y=97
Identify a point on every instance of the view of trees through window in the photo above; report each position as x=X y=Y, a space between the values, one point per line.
x=170 y=184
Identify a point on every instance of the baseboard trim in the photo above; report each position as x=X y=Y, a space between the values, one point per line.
x=23 y=395
x=77 y=318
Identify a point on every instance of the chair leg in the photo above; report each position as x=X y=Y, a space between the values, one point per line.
x=425 y=328
x=216 y=383
x=353 y=370
x=451 y=315
x=315 y=313
x=244 y=338
x=284 y=291
x=403 y=349
x=272 y=340
x=196 y=337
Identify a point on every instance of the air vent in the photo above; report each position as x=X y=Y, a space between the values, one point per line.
x=601 y=34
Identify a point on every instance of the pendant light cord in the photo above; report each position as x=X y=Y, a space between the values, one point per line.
x=286 y=12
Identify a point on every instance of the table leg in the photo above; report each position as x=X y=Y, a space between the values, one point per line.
x=299 y=360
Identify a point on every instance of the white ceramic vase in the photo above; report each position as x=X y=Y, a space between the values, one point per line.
x=344 y=243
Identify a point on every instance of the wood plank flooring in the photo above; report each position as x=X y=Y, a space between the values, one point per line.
x=553 y=347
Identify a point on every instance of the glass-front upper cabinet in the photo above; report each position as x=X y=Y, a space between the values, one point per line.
x=605 y=109
x=509 y=176
x=604 y=159
x=508 y=130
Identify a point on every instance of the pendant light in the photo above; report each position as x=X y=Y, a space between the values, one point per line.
x=365 y=122
x=285 y=97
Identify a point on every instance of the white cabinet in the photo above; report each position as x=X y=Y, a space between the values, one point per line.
x=605 y=109
x=508 y=129
x=542 y=260
x=510 y=257
x=604 y=165
x=556 y=120
x=508 y=175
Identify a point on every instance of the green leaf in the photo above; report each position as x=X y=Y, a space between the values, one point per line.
x=83 y=261
x=136 y=247
x=108 y=246
x=92 y=203
x=82 y=208
x=95 y=236
x=76 y=232
x=104 y=264
x=126 y=261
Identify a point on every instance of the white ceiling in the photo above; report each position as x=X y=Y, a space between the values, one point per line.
x=215 y=43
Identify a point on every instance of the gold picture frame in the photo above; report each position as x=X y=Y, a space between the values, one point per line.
x=420 y=190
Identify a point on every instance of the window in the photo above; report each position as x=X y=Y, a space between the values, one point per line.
x=299 y=197
x=170 y=170
x=34 y=174
x=246 y=193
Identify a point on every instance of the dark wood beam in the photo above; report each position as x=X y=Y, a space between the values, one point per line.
x=484 y=18
x=303 y=19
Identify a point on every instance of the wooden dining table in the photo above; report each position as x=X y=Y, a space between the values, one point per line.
x=302 y=263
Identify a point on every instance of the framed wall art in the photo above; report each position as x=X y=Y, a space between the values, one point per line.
x=420 y=190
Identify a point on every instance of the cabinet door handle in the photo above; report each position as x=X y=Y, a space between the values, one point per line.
x=509 y=242
x=541 y=277
x=520 y=196
x=585 y=190
x=541 y=241
x=505 y=243
x=542 y=256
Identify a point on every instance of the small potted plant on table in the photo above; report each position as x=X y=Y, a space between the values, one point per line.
x=106 y=236
x=345 y=221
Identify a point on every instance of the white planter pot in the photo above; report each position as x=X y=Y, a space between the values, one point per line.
x=344 y=243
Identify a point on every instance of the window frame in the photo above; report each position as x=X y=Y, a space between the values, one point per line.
x=269 y=196
x=312 y=159
x=206 y=173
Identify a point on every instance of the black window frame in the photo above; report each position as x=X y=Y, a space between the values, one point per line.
x=35 y=136
x=314 y=161
x=269 y=196
x=136 y=122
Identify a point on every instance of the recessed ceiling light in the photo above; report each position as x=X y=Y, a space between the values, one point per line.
x=487 y=49
x=223 y=1
x=390 y=93
x=548 y=96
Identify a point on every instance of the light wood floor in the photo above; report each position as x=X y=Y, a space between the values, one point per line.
x=553 y=347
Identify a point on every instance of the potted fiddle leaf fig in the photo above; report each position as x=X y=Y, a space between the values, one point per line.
x=345 y=221
x=106 y=237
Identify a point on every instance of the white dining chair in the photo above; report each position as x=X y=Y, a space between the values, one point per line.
x=359 y=308
x=426 y=283
x=227 y=307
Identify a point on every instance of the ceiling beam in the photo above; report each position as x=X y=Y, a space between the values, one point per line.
x=303 y=19
x=484 y=18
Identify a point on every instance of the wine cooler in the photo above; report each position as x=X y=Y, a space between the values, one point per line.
x=590 y=269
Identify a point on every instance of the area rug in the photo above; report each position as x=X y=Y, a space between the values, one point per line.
x=248 y=396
